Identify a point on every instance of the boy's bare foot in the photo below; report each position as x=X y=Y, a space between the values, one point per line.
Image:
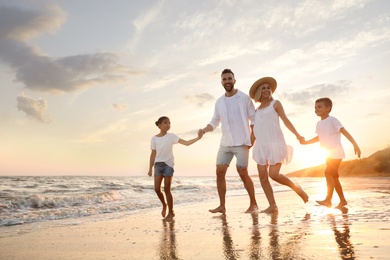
x=270 y=210
x=302 y=194
x=342 y=204
x=325 y=203
x=220 y=209
x=170 y=216
x=252 y=209
x=164 y=211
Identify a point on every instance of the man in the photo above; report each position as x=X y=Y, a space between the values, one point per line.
x=233 y=110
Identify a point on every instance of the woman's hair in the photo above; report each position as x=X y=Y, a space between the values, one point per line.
x=258 y=95
x=160 y=120
x=327 y=102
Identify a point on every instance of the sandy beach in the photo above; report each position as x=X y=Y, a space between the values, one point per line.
x=298 y=231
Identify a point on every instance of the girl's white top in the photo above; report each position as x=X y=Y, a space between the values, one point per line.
x=270 y=146
x=164 y=148
x=328 y=131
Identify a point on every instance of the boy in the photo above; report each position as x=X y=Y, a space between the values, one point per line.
x=329 y=131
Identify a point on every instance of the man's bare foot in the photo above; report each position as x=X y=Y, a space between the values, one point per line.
x=302 y=194
x=220 y=209
x=170 y=216
x=164 y=211
x=252 y=209
x=325 y=203
x=270 y=210
x=342 y=204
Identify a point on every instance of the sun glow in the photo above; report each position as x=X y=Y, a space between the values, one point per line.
x=311 y=156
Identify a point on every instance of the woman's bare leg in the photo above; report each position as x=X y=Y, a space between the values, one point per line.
x=267 y=188
x=274 y=173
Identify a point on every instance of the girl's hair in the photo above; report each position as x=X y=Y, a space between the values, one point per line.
x=160 y=120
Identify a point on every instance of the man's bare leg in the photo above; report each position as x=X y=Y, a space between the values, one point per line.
x=221 y=188
x=250 y=188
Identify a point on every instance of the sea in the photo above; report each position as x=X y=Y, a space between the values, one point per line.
x=30 y=199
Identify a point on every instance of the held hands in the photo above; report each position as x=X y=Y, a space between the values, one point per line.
x=301 y=139
x=201 y=132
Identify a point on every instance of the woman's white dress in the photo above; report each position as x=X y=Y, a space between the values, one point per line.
x=270 y=146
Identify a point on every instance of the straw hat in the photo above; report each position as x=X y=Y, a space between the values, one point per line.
x=271 y=81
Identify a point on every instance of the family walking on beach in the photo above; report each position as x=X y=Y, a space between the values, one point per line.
x=244 y=126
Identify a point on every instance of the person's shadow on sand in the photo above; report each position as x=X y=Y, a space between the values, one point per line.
x=168 y=248
x=342 y=237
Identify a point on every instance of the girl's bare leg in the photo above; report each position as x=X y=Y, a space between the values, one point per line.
x=168 y=194
x=160 y=195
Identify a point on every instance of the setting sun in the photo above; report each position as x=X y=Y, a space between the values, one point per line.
x=310 y=156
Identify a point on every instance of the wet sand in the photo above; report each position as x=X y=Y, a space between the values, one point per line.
x=298 y=231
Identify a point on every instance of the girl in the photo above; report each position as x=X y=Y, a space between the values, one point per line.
x=270 y=149
x=161 y=157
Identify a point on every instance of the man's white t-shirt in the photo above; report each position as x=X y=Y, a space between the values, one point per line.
x=328 y=131
x=164 y=148
x=237 y=129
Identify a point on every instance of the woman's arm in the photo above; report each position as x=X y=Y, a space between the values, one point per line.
x=279 y=109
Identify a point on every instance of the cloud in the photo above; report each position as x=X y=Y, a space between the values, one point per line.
x=34 y=108
x=307 y=97
x=200 y=99
x=112 y=132
x=21 y=25
x=40 y=72
x=120 y=106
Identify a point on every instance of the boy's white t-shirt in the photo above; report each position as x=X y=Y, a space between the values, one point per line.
x=164 y=148
x=328 y=131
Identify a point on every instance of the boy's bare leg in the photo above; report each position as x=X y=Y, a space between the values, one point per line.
x=221 y=188
x=168 y=194
x=250 y=188
x=160 y=195
x=329 y=194
x=339 y=190
x=332 y=180
x=267 y=188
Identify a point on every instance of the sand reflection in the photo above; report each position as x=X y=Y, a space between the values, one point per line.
x=254 y=246
x=342 y=236
x=168 y=248
x=286 y=246
x=228 y=245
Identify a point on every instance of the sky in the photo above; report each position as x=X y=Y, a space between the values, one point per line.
x=82 y=82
